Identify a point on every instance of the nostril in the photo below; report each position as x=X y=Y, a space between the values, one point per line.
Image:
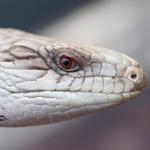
x=133 y=76
x=136 y=75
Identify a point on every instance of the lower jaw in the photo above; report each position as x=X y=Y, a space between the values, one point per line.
x=85 y=102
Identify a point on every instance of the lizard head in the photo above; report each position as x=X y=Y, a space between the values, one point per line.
x=50 y=81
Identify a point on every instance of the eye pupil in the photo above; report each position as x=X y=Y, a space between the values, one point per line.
x=65 y=62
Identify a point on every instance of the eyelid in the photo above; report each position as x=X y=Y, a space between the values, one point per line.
x=70 y=54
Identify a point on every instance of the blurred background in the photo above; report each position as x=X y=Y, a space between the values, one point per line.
x=122 y=25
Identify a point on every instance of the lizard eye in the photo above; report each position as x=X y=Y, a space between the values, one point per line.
x=67 y=62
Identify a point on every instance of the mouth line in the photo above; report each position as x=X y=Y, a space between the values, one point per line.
x=62 y=94
x=68 y=91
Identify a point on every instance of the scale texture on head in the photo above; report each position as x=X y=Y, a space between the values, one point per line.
x=43 y=80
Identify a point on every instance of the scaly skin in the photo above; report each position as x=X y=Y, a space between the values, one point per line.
x=35 y=90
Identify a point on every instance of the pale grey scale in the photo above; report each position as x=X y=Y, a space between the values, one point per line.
x=42 y=51
x=114 y=98
x=88 y=70
x=33 y=95
x=87 y=84
x=31 y=108
x=21 y=110
x=96 y=67
x=58 y=96
x=59 y=108
x=6 y=84
x=97 y=84
x=7 y=65
x=63 y=108
x=23 y=114
x=86 y=99
x=47 y=48
x=95 y=57
x=40 y=106
x=64 y=83
x=43 y=83
x=108 y=85
x=126 y=61
x=85 y=55
x=3 y=76
x=128 y=86
x=107 y=70
x=30 y=64
x=25 y=64
x=56 y=46
x=34 y=107
x=104 y=98
x=8 y=40
x=12 y=89
x=5 y=47
x=118 y=86
x=37 y=100
x=74 y=74
x=111 y=57
x=92 y=85
x=3 y=36
x=120 y=69
x=26 y=75
x=2 y=83
x=15 y=79
x=81 y=73
x=129 y=61
x=47 y=109
x=5 y=57
x=76 y=85
x=4 y=91
x=30 y=44
x=22 y=53
x=9 y=82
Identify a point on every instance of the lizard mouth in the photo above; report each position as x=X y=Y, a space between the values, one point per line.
x=80 y=96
